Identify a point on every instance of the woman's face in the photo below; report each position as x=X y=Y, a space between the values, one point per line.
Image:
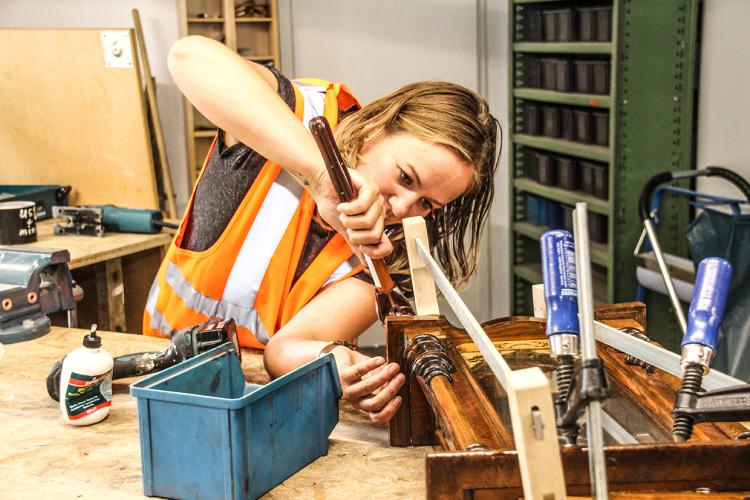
x=414 y=176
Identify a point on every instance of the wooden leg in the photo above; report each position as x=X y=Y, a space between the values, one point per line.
x=110 y=293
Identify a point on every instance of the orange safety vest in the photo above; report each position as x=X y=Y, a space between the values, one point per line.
x=247 y=273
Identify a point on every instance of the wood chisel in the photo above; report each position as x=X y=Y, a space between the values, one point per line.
x=390 y=300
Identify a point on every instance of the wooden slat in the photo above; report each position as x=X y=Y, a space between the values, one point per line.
x=425 y=295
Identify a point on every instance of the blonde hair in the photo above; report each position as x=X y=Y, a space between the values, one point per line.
x=447 y=114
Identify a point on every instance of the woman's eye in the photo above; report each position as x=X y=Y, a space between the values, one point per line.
x=426 y=204
x=404 y=177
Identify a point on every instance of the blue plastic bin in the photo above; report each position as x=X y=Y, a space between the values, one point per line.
x=205 y=433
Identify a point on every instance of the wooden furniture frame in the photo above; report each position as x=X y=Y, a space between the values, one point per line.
x=254 y=38
x=477 y=454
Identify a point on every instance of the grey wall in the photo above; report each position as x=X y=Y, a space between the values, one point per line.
x=160 y=27
x=375 y=46
x=724 y=99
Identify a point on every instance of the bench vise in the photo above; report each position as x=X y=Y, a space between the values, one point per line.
x=34 y=283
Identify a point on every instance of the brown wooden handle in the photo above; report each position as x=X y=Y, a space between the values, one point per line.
x=335 y=164
x=341 y=179
x=386 y=283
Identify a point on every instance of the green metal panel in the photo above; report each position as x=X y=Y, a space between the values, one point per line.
x=586 y=151
x=564 y=47
x=558 y=194
x=654 y=112
x=592 y=100
x=651 y=121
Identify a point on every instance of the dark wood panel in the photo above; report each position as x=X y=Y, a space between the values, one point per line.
x=663 y=467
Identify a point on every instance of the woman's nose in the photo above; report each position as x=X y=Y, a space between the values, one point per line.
x=406 y=205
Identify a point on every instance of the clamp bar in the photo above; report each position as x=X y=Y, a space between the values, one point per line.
x=494 y=359
x=594 y=433
x=657 y=356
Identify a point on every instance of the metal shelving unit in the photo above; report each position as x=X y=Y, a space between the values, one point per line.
x=650 y=55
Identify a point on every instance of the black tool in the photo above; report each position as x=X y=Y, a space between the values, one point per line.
x=590 y=385
x=185 y=344
x=94 y=220
x=390 y=301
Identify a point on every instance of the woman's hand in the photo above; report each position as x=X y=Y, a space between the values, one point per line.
x=371 y=385
x=360 y=221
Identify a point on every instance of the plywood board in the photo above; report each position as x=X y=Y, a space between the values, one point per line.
x=67 y=118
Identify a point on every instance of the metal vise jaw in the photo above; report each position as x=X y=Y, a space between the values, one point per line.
x=33 y=283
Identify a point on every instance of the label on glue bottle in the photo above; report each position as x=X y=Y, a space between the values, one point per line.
x=87 y=394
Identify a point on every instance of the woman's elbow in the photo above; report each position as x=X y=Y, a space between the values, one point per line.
x=271 y=356
x=184 y=52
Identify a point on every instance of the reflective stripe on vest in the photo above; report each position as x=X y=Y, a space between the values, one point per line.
x=249 y=278
x=314 y=96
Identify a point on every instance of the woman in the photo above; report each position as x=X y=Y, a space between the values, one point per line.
x=257 y=243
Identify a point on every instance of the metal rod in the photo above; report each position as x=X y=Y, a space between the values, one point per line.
x=618 y=432
x=597 y=463
x=648 y=224
x=492 y=357
x=583 y=278
x=657 y=356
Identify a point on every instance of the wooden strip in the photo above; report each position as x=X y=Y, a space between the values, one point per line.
x=540 y=306
x=155 y=118
x=425 y=295
x=535 y=434
x=110 y=293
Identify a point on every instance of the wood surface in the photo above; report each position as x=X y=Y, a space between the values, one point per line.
x=238 y=34
x=425 y=295
x=414 y=422
x=537 y=448
x=644 y=468
x=42 y=457
x=453 y=404
x=66 y=118
x=88 y=250
x=540 y=305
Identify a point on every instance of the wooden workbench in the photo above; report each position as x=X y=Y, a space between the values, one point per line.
x=115 y=272
x=43 y=457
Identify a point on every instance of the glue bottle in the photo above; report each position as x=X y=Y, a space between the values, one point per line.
x=86 y=382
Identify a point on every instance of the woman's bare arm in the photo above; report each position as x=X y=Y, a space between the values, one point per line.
x=240 y=97
x=340 y=312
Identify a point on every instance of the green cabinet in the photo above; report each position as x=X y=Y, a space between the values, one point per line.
x=602 y=97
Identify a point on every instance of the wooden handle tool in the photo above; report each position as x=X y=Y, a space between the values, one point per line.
x=390 y=300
